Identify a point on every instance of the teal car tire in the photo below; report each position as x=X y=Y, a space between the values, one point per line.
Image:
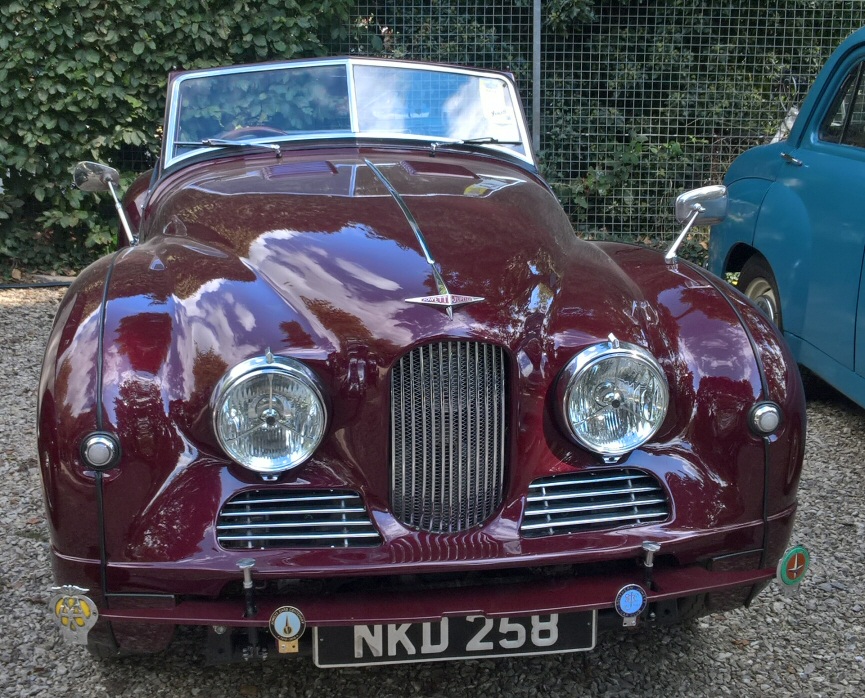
x=757 y=281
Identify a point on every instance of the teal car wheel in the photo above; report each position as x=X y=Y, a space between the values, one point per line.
x=757 y=281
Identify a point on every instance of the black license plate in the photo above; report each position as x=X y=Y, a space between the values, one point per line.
x=466 y=637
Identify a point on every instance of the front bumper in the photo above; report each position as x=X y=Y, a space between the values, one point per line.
x=371 y=607
x=142 y=619
x=241 y=627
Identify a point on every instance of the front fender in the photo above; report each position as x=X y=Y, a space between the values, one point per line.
x=732 y=241
x=727 y=358
x=784 y=236
x=68 y=407
x=136 y=348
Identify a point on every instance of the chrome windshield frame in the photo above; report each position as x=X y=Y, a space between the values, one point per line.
x=170 y=158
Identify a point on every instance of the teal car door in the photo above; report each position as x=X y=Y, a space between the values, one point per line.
x=825 y=176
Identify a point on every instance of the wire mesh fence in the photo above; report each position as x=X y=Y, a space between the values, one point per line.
x=647 y=100
x=630 y=101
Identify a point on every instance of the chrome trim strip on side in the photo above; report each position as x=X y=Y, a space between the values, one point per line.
x=716 y=283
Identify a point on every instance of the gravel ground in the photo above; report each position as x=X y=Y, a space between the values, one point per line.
x=809 y=645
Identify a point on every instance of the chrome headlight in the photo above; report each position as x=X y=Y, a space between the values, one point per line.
x=269 y=413
x=613 y=397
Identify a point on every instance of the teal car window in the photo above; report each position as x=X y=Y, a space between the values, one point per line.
x=845 y=121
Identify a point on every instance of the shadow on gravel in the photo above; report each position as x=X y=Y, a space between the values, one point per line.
x=818 y=390
x=626 y=663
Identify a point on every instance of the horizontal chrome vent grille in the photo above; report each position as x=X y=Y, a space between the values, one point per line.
x=281 y=518
x=448 y=428
x=593 y=501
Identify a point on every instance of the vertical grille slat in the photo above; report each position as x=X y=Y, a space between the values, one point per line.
x=449 y=409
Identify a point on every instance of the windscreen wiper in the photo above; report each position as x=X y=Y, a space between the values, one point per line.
x=223 y=143
x=483 y=140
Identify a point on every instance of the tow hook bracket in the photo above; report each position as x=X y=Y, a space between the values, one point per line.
x=253 y=649
x=246 y=565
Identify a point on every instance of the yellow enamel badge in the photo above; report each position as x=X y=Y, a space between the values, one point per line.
x=74 y=612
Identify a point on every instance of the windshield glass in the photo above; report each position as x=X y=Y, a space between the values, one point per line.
x=344 y=98
x=435 y=104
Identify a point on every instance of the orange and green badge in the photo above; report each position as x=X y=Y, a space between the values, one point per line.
x=793 y=565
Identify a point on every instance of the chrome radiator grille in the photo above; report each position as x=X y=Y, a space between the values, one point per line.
x=448 y=435
x=284 y=518
x=593 y=501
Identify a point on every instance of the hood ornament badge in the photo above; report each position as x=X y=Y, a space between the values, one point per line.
x=444 y=298
x=446 y=301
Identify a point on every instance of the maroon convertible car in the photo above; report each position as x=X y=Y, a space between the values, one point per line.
x=352 y=388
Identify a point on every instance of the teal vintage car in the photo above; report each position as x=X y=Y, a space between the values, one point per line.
x=795 y=229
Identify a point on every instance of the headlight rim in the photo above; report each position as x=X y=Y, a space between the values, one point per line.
x=250 y=368
x=583 y=361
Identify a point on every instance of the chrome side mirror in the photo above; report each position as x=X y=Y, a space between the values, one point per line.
x=710 y=204
x=703 y=206
x=94 y=176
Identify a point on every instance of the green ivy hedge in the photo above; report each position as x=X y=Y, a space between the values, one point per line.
x=85 y=80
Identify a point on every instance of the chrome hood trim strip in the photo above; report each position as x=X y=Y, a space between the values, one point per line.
x=408 y=216
x=445 y=299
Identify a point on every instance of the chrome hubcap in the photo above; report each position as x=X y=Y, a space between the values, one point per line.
x=761 y=292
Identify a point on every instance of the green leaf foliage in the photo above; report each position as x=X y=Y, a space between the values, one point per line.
x=676 y=90
x=85 y=80
x=563 y=16
x=446 y=31
x=640 y=99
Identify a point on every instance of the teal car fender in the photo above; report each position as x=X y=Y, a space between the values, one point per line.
x=770 y=221
x=782 y=233
x=732 y=241
x=747 y=180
